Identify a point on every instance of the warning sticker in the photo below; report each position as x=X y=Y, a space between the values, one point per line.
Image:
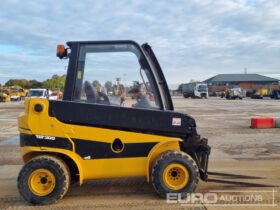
x=176 y=121
x=79 y=75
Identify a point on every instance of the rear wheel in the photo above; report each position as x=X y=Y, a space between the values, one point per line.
x=43 y=180
x=175 y=172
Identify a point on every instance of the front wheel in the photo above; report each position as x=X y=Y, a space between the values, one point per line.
x=175 y=172
x=43 y=180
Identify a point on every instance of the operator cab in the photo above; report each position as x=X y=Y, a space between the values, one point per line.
x=119 y=85
x=202 y=88
x=114 y=73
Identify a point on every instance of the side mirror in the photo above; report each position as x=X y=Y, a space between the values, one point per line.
x=61 y=51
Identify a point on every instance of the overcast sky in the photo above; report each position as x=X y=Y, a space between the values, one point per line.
x=193 y=39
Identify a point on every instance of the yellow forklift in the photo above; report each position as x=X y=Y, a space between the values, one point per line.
x=4 y=95
x=17 y=93
x=89 y=135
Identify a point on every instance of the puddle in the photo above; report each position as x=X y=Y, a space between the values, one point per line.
x=14 y=140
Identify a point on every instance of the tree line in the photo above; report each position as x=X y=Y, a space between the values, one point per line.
x=55 y=82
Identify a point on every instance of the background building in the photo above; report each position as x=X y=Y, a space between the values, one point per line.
x=249 y=82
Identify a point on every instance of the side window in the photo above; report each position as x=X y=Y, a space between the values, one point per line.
x=115 y=75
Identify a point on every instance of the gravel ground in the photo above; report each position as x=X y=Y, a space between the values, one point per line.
x=235 y=149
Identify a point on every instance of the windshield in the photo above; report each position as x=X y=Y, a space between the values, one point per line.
x=35 y=93
x=14 y=90
x=202 y=88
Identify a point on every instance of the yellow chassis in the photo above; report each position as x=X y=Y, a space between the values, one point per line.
x=34 y=123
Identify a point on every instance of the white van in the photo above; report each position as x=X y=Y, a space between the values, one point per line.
x=39 y=93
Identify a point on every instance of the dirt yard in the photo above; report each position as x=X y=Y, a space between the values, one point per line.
x=235 y=149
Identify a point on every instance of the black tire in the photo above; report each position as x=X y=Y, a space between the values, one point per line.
x=166 y=159
x=53 y=164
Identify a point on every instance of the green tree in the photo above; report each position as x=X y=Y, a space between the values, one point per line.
x=35 y=84
x=18 y=82
x=56 y=82
x=96 y=84
x=27 y=84
x=11 y=82
x=109 y=86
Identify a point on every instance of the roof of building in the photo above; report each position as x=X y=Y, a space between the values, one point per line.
x=240 y=78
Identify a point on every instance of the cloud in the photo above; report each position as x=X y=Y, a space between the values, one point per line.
x=193 y=39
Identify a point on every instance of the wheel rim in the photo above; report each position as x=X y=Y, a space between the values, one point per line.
x=175 y=176
x=41 y=182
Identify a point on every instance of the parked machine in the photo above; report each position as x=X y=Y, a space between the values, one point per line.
x=260 y=93
x=17 y=93
x=195 y=90
x=234 y=93
x=256 y=95
x=275 y=94
x=89 y=136
x=39 y=93
x=4 y=95
x=56 y=94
